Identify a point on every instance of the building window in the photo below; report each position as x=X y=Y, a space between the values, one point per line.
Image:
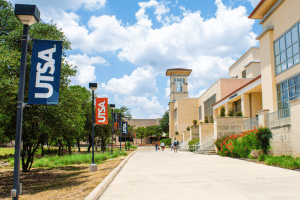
x=286 y=50
x=287 y=91
x=237 y=106
x=200 y=113
x=179 y=84
x=208 y=108
x=175 y=115
x=244 y=74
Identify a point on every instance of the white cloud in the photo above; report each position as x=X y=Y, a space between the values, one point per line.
x=141 y=82
x=85 y=68
x=254 y=2
x=168 y=90
x=143 y=108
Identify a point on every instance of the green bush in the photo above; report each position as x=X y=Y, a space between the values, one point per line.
x=230 y=113
x=218 y=142
x=128 y=145
x=176 y=133
x=239 y=114
x=206 y=119
x=223 y=114
x=188 y=128
x=263 y=136
x=191 y=143
x=167 y=141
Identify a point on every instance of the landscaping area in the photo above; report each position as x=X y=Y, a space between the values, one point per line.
x=59 y=177
x=255 y=145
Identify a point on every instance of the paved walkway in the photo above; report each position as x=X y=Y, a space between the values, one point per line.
x=187 y=176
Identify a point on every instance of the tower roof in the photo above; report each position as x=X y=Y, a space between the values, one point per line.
x=178 y=71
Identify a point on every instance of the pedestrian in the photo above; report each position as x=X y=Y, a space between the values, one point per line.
x=156 y=146
x=162 y=146
x=172 y=146
x=175 y=144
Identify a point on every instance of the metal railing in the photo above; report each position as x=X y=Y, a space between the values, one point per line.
x=194 y=147
x=249 y=124
x=281 y=117
x=206 y=144
x=183 y=145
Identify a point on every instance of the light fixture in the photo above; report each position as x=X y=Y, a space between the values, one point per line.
x=27 y=14
x=93 y=86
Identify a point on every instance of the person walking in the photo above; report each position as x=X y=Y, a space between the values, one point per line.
x=162 y=146
x=156 y=146
x=175 y=144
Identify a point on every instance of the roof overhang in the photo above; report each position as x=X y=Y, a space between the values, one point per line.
x=262 y=8
x=178 y=71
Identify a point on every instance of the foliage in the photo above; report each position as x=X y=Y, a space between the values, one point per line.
x=164 y=123
x=206 y=119
x=240 y=145
x=211 y=119
x=176 y=133
x=218 y=142
x=191 y=143
x=7 y=151
x=223 y=114
x=194 y=123
x=239 y=114
x=231 y=113
x=284 y=161
x=188 y=128
x=167 y=141
x=128 y=145
x=263 y=136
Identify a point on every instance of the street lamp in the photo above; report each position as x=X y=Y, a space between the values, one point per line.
x=28 y=15
x=112 y=106
x=93 y=87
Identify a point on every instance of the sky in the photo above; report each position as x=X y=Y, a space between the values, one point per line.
x=126 y=46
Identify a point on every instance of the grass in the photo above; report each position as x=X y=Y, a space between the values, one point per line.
x=283 y=161
x=65 y=160
x=6 y=151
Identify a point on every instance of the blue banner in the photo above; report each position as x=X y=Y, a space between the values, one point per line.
x=124 y=129
x=45 y=72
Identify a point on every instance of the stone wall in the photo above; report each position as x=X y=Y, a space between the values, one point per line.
x=205 y=130
x=194 y=133
x=281 y=142
x=186 y=135
x=226 y=126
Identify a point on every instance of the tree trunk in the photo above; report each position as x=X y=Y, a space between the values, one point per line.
x=43 y=153
x=78 y=144
x=69 y=147
x=103 y=145
x=59 y=148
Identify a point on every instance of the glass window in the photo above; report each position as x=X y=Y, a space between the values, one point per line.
x=283 y=66
x=296 y=48
x=278 y=69
x=297 y=79
x=288 y=38
x=279 y=97
x=291 y=82
x=289 y=52
x=277 y=48
x=292 y=92
x=277 y=60
x=244 y=74
x=282 y=44
x=294 y=35
x=290 y=62
x=285 y=104
x=285 y=94
x=200 y=113
x=284 y=85
x=179 y=84
x=296 y=58
x=208 y=108
x=287 y=91
x=282 y=56
x=279 y=106
x=297 y=88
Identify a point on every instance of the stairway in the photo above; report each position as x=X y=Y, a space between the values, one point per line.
x=207 y=146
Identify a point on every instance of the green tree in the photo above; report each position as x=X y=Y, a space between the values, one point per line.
x=164 y=123
x=37 y=127
x=141 y=133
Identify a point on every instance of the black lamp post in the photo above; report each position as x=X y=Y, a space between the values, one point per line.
x=112 y=106
x=93 y=87
x=28 y=15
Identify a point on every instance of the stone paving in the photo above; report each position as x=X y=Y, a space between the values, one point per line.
x=167 y=175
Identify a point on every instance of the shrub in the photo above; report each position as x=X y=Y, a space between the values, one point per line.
x=167 y=141
x=239 y=114
x=211 y=119
x=206 y=119
x=222 y=112
x=218 y=142
x=176 y=133
x=191 y=143
x=201 y=122
x=231 y=113
x=194 y=123
x=128 y=145
x=263 y=136
x=188 y=128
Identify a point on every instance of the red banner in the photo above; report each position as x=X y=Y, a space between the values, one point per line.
x=101 y=111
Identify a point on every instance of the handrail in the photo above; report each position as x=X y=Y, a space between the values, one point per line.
x=206 y=144
x=280 y=117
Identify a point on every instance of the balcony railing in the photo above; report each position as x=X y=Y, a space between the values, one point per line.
x=249 y=124
x=281 y=117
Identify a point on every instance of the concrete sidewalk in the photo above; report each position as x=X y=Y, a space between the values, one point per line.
x=164 y=175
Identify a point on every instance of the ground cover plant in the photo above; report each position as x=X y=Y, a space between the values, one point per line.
x=241 y=145
x=6 y=151
x=191 y=143
x=283 y=161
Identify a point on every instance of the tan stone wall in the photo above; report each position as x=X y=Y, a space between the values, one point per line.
x=186 y=135
x=256 y=103
x=171 y=120
x=281 y=141
x=143 y=122
x=194 y=133
x=205 y=130
x=239 y=66
x=226 y=126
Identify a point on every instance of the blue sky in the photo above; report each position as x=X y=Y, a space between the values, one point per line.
x=127 y=46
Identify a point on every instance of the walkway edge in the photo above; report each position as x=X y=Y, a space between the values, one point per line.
x=96 y=193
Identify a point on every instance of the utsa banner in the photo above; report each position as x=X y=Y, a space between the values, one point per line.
x=101 y=111
x=124 y=131
x=45 y=72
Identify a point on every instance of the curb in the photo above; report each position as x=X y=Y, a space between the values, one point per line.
x=96 y=193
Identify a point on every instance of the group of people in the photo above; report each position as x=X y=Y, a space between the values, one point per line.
x=162 y=146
